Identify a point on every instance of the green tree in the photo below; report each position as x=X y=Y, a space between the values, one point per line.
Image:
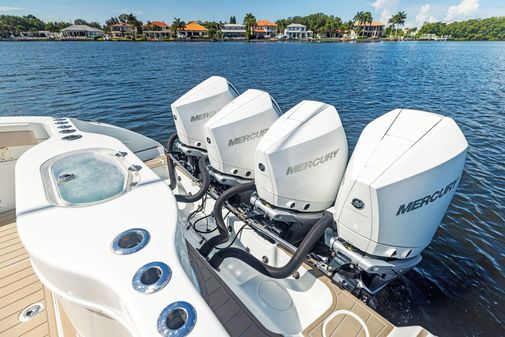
x=214 y=28
x=131 y=20
x=397 y=20
x=233 y=19
x=281 y=25
x=476 y=29
x=177 y=24
x=249 y=22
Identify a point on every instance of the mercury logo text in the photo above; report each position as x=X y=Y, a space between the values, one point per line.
x=246 y=138
x=205 y=115
x=413 y=205
x=311 y=163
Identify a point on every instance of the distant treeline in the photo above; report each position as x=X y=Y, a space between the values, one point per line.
x=322 y=24
x=492 y=29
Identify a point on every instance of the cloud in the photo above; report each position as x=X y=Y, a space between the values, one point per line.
x=9 y=8
x=386 y=8
x=464 y=9
x=424 y=15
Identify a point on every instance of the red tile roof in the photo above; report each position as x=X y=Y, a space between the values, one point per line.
x=265 y=23
x=196 y=27
x=160 y=24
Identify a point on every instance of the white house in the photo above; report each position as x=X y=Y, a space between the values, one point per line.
x=265 y=29
x=297 y=31
x=81 y=32
x=233 y=31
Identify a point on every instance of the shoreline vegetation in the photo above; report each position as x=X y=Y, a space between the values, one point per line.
x=323 y=28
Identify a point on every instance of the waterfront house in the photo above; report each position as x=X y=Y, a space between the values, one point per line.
x=235 y=31
x=156 y=30
x=297 y=31
x=265 y=29
x=193 y=29
x=123 y=30
x=374 y=29
x=81 y=32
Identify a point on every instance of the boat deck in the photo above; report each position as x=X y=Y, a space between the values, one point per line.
x=20 y=288
x=235 y=317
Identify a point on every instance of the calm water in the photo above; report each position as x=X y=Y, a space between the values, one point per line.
x=459 y=288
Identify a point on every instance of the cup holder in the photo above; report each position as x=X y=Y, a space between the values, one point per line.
x=72 y=137
x=151 y=278
x=177 y=320
x=67 y=130
x=130 y=241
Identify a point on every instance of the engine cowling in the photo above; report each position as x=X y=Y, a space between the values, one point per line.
x=399 y=182
x=234 y=132
x=192 y=110
x=301 y=159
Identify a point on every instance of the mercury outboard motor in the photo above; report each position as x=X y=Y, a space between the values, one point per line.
x=197 y=106
x=232 y=136
x=397 y=187
x=301 y=159
x=234 y=132
x=188 y=145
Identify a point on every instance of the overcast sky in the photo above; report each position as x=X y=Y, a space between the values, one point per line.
x=418 y=11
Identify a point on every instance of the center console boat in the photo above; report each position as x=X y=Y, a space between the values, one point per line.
x=249 y=222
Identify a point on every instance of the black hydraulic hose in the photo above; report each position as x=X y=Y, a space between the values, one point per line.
x=202 y=165
x=294 y=263
x=170 y=163
x=224 y=235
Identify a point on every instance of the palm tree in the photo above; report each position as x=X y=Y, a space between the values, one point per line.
x=249 y=22
x=367 y=17
x=358 y=19
x=177 y=24
x=397 y=19
x=400 y=18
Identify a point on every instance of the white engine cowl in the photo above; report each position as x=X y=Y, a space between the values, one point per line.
x=235 y=131
x=301 y=159
x=192 y=110
x=399 y=183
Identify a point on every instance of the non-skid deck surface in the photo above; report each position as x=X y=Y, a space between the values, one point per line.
x=344 y=324
x=20 y=287
x=235 y=317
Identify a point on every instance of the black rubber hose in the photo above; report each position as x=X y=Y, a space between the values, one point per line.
x=202 y=165
x=224 y=235
x=170 y=163
x=294 y=263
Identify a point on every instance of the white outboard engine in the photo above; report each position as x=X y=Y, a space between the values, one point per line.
x=397 y=187
x=197 y=106
x=234 y=132
x=301 y=160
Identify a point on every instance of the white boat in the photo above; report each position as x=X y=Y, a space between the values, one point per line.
x=249 y=223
